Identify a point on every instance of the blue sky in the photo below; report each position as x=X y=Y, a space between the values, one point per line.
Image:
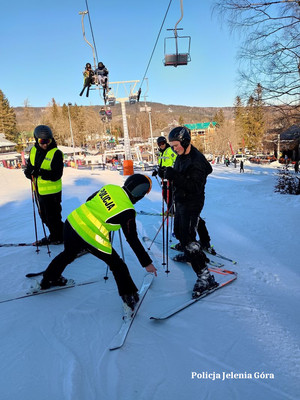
x=43 y=52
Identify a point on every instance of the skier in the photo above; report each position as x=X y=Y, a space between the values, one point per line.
x=166 y=158
x=88 y=228
x=45 y=166
x=189 y=178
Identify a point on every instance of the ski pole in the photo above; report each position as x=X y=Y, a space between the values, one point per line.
x=106 y=273
x=172 y=222
x=121 y=244
x=161 y=225
x=34 y=220
x=39 y=210
x=163 y=219
x=167 y=230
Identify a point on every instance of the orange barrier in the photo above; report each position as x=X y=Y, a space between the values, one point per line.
x=128 y=167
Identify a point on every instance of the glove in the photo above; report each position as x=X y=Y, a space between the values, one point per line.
x=35 y=173
x=170 y=173
x=161 y=172
x=27 y=174
x=155 y=172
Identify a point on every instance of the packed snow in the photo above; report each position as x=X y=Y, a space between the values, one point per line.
x=241 y=342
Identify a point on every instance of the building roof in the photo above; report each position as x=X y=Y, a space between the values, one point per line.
x=4 y=142
x=201 y=126
x=292 y=133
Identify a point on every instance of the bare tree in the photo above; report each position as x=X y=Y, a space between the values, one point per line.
x=270 y=53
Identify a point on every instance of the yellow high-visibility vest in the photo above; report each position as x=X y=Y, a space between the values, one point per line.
x=90 y=219
x=46 y=186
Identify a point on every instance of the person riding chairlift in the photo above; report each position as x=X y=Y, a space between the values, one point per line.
x=102 y=75
x=88 y=74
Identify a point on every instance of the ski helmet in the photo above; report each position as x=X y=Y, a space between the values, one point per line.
x=137 y=186
x=43 y=132
x=181 y=134
x=161 y=140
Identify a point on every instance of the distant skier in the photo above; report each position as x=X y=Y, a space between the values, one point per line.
x=89 y=226
x=242 y=166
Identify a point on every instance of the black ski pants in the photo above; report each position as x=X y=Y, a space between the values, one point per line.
x=50 y=205
x=185 y=229
x=203 y=233
x=73 y=245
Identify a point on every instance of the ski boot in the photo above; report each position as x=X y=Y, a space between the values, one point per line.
x=181 y=257
x=130 y=300
x=47 y=284
x=177 y=247
x=205 y=281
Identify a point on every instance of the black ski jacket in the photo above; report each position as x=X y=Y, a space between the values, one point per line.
x=190 y=173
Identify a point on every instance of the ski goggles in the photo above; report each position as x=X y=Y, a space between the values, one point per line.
x=44 y=141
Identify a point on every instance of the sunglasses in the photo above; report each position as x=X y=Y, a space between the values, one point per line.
x=44 y=141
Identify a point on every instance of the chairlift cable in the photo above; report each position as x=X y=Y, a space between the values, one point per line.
x=87 y=7
x=156 y=43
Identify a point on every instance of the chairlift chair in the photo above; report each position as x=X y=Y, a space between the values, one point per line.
x=175 y=56
x=132 y=99
x=111 y=100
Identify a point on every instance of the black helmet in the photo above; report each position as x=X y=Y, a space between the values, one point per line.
x=181 y=134
x=161 y=139
x=101 y=65
x=88 y=65
x=137 y=186
x=43 y=132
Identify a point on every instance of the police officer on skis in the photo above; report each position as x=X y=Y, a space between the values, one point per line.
x=89 y=226
x=166 y=158
x=189 y=178
x=45 y=166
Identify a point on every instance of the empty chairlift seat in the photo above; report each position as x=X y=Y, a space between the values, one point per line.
x=177 y=51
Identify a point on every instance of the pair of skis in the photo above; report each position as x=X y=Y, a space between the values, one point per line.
x=120 y=337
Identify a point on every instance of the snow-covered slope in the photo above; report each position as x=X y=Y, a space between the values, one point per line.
x=241 y=342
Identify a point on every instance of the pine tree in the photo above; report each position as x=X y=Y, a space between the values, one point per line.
x=254 y=124
x=219 y=117
x=239 y=120
x=8 y=122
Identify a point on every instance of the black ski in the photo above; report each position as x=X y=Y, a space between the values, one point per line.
x=174 y=310
x=149 y=213
x=27 y=244
x=35 y=291
x=120 y=337
x=34 y=274
x=16 y=244
x=219 y=256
